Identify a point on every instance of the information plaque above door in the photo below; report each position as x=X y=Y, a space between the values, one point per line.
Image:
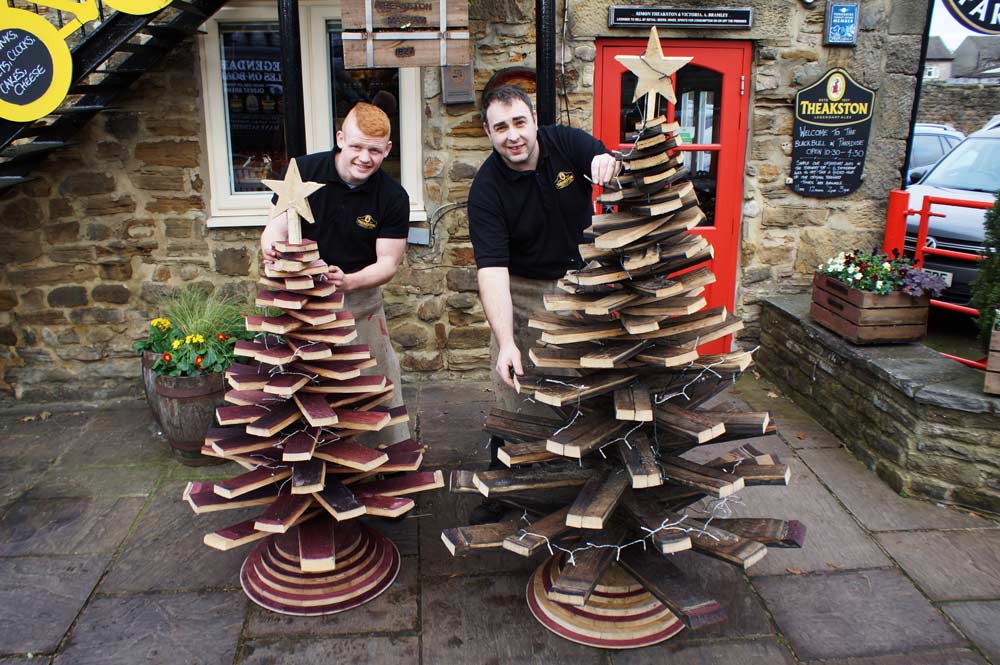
x=724 y=18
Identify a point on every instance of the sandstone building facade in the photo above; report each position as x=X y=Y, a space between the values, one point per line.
x=147 y=200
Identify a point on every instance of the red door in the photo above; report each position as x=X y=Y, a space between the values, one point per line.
x=712 y=107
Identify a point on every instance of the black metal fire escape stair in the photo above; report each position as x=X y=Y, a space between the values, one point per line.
x=108 y=60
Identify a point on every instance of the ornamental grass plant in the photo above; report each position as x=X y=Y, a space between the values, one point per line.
x=881 y=273
x=196 y=332
x=986 y=288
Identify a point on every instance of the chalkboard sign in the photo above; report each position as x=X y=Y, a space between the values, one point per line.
x=35 y=67
x=833 y=119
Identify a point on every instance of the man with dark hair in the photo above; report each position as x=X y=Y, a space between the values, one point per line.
x=362 y=220
x=528 y=207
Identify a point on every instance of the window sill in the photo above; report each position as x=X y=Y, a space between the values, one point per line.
x=238 y=221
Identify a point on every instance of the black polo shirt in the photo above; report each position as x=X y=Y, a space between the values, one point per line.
x=531 y=222
x=350 y=219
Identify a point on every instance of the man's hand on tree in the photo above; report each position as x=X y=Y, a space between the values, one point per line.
x=509 y=363
x=603 y=168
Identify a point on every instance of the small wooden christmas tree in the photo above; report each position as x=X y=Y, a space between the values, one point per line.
x=295 y=409
x=604 y=478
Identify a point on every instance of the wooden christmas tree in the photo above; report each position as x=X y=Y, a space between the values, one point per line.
x=297 y=405
x=608 y=492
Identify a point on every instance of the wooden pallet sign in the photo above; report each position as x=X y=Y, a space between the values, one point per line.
x=410 y=33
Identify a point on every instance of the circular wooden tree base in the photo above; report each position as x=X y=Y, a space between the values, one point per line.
x=367 y=564
x=620 y=613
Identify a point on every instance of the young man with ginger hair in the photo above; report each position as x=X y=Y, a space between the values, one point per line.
x=362 y=219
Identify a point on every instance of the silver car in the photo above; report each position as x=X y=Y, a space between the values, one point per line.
x=970 y=172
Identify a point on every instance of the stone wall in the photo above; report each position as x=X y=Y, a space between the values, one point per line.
x=917 y=419
x=966 y=106
x=117 y=220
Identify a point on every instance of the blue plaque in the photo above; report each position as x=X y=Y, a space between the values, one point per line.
x=841 y=23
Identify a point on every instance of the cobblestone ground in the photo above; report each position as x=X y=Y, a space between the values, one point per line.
x=101 y=562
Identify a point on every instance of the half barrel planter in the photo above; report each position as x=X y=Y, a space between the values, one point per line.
x=149 y=383
x=862 y=317
x=186 y=407
x=993 y=365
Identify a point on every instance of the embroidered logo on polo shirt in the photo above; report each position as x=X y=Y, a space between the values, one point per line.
x=564 y=179
x=365 y=222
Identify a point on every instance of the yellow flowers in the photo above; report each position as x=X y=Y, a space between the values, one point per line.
x=194 y=339
x=160 y=324
x=176 y=344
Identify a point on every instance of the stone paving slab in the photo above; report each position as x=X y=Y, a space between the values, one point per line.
x=369 y=650
x=166 y=552
x=796 y=426
x=404 y=532
x=117 y=436
x=82 y=525
x=451 y=423
x=15 y=479
x=396 y=610
x=833 y=539
x=853 y=614
x=949 y=657
x=762 y=651
x=874 y=503
x=33 y=425
x=487 y=620
x=154 y=628
x=134 y=481
x=25 y=660
x=980 y=621
x=36 y=621
x=949 y=565
x=450 y=510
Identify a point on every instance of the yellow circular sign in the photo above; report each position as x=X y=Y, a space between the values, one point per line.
x=35 y=67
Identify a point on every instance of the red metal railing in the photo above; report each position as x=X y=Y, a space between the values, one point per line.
x=895 y=236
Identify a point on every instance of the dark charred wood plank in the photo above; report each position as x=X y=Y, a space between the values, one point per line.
x=700 y=477
x=579 y=575
x=529 y=538
x=767 y=531
x=665 y=581
x=463 y=540
x=640 y=461
x=597 y=499
x=505 y=482
x=650 y=518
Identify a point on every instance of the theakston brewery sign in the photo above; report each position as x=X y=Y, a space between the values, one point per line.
x=833 y=119
x=977 y=15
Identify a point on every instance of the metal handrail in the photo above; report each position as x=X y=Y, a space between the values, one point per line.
x=895 y=235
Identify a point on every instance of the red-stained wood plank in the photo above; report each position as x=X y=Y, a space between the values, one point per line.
x=316 y=551
x=318 y=317
x=275 y=420
x=279 y=354
x=286 y=247
x=339 y=501
x=408 y=483
x=362 y=420
x=360 y=384
x=202 y=498
x=315 y=409
x=386 y=506
x=351 y=455
x=242 y=443
x=285 y=385
x=299 y=447
x=283 y=512
x=331 y=302
x=308 y=477
x=249 y=481
x=239 y=415
x=309 y=350
x=338 y=336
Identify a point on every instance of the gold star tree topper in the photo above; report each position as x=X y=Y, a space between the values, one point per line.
x=654 y=71
x=293 y=195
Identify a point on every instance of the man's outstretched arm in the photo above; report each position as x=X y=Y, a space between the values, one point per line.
x=388 y=256
x=494 y=292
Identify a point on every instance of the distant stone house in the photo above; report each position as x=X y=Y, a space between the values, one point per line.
x=938 y=62
x=163 y=189
x=977 y=57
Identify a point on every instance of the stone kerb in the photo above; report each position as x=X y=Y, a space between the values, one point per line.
x=920 y=421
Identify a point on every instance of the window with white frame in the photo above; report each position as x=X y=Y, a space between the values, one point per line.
x=931 y=72
x=244 y=102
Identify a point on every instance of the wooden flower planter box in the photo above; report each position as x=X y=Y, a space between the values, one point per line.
x=861 y=317
x=993 y=365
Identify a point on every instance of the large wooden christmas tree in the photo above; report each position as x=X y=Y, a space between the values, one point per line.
x=297 y=405
x=602 y=486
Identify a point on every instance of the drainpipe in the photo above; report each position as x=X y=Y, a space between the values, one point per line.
x=545 y=61
x=916 y=93
x=291 y=77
